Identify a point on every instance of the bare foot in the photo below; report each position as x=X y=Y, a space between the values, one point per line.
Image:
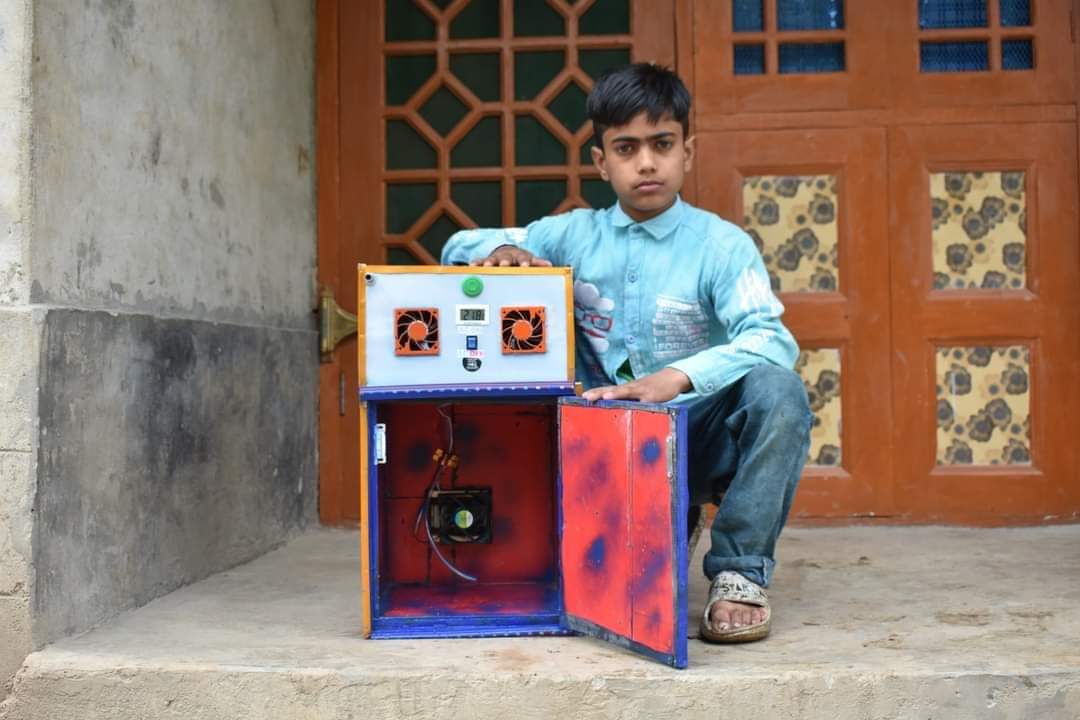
x=728 y=615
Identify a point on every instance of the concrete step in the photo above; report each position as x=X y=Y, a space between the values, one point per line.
x=869 y=623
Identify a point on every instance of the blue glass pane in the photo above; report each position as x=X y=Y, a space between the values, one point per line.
x=953 y=57
x=1015 y=12
x=749 y=59
x=810 y=14
x=746 y=16
x=811 y=57
x=952 y=13
x=1017 y=55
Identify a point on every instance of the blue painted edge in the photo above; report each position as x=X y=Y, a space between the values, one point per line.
x=400 y=392
x=593 y=630
x=680 y=502
x=467 y=627
x=373 y=515
x=560 y=520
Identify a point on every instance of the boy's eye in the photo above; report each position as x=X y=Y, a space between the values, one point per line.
x=624 y=149
x=664 y=144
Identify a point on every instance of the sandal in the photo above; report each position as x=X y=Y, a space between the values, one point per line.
x=730 y=586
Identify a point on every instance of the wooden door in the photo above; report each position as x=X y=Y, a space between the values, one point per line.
x=987 y=313
x=436 y=115
x=818 y=218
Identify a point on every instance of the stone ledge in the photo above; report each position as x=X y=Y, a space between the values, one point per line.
x=870 y=622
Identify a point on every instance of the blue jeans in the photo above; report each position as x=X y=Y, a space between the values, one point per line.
x=748 y=444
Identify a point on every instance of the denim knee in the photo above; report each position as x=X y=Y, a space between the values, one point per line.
x=778 y=393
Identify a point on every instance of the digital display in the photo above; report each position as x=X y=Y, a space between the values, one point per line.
x=472 y=314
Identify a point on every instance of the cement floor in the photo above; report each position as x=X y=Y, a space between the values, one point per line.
x=868 y=623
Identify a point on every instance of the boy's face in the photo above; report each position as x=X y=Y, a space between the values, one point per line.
x=645 y=163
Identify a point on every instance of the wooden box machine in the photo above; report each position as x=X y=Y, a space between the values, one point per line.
x=495 y=501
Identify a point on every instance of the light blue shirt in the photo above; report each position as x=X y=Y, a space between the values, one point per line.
x=684 y=289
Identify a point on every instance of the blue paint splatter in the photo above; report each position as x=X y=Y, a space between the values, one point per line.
x=594 y=556
x=650 y=453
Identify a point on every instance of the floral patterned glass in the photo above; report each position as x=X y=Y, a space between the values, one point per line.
x=820 y=372
x=983 y=405
x=979 y=230
x=792 y=220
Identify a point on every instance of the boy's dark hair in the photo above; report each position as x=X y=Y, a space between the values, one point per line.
x=622 y=93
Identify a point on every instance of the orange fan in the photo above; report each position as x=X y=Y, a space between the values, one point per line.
x=416 y=331
x=523 y=330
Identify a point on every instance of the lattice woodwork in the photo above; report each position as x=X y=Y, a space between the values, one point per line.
x=450 y=117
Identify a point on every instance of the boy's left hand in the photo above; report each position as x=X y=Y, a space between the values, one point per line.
x=659 y=387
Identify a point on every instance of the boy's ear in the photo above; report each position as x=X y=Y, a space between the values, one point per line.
x=598 y=161
x=689 y=148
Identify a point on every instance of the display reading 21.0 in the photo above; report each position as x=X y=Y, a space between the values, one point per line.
x=472 y=314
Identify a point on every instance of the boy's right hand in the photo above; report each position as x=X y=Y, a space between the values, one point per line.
x=509 y=255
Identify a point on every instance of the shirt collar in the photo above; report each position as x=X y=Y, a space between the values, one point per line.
x=659 y=226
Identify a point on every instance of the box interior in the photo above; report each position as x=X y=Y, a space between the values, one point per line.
x=509 y=447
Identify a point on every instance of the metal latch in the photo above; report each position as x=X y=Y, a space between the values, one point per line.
x=335 y=324
x=380 y=443
x=671 y=457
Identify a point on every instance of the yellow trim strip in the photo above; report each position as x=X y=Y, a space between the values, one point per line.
x=361 y=324
x=571 y=330
x=458 y=270
x=365 y=528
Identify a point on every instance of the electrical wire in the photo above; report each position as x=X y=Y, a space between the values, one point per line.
x=425 y=507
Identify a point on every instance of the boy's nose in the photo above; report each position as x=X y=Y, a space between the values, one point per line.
x=645 y=162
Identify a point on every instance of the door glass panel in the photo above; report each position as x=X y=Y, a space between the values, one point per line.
x=1015 y=13
x=569 y=107
x=479 y=19
x=481 y=201
x=437 y=234
x=810 y=14
x=443 y=111
x=1017 y=55
x=401 y=256
x=536 y=17
x=534 y=70
x=953 y=56
x=749 y=59
x=404 y=76
x=606 y=17
x=405 y=203
x=481 y=146
x=479 y=72
x=405 y=149
x=537 y=198
x=792 y=220
x=596 y=62
x=405 y=21
x=811 y=57
x=983 y=405
x=535 y=145
x=597 y=193
x=746 y=16
x=820 y=373
x=979 y=230
x=935 y=14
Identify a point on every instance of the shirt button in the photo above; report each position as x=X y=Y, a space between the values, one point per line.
x=632 y=277
x=710 y=387
x=630 y=339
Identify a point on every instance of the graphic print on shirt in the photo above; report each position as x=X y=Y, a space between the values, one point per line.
x=755 y=293
x=594 y=315
x=680 y=328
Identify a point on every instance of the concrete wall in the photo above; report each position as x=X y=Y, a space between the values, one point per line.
x=173 y=259
x=20 y=333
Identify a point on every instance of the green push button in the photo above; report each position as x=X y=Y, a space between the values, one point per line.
x=472 y=286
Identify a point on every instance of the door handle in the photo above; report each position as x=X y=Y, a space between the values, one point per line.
x=335 y=324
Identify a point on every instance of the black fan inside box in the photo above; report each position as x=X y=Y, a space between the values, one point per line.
x=460 y=515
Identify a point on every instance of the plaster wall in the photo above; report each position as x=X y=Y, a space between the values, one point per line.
x=20 y=333
x=173 y=261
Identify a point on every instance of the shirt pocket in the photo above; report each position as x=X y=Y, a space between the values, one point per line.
x=680 y=328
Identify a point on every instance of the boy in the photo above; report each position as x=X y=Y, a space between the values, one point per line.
x=674 y=304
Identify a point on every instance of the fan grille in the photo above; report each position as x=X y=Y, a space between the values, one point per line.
x=523 y=330
x=416 y=331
